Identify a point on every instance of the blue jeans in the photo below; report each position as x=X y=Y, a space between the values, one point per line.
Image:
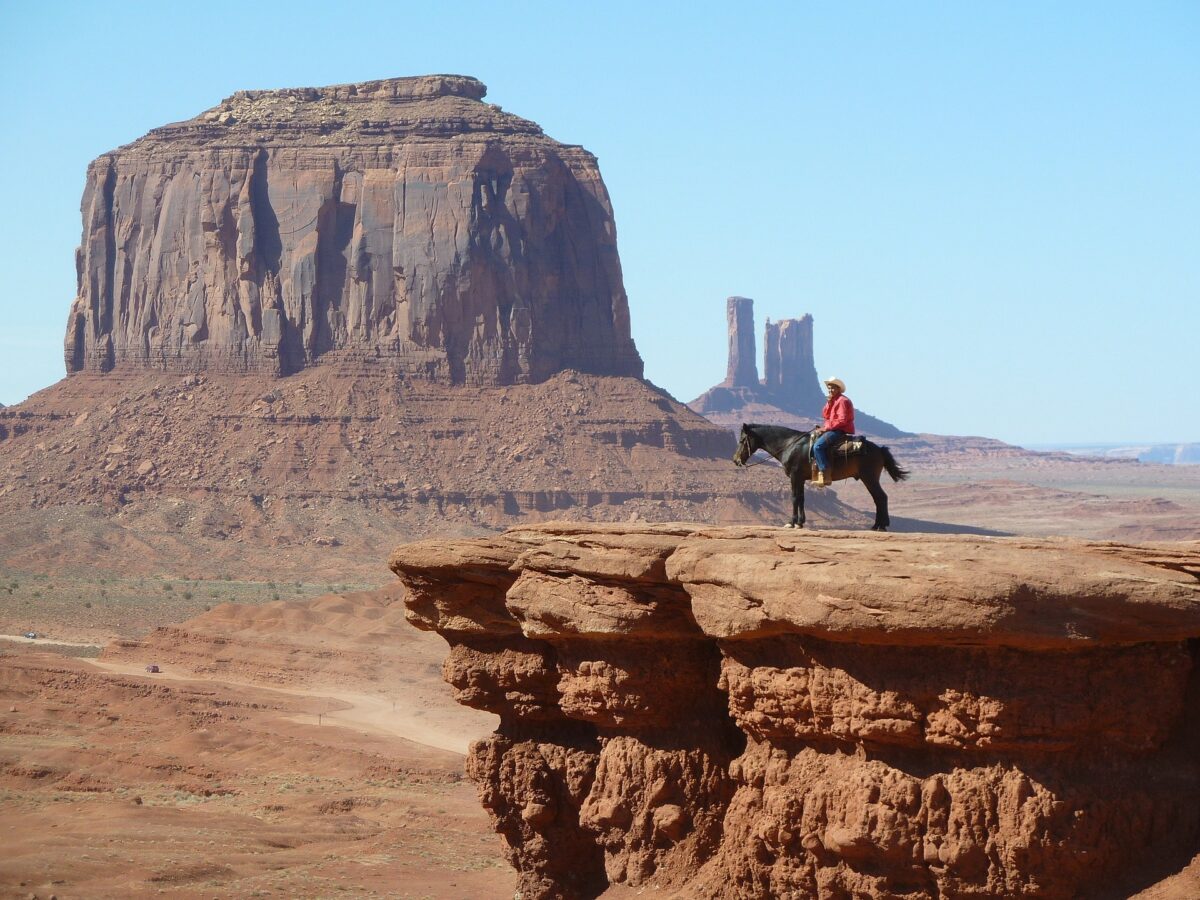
x=821 y=448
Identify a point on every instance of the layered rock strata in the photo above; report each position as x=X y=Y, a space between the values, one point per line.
x=403 y=221
x=752 y=713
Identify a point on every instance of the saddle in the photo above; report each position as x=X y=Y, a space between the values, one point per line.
x=845 y=446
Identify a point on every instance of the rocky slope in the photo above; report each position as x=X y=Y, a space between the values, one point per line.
x=153 y=472
x=741 y=712
x=402 y=222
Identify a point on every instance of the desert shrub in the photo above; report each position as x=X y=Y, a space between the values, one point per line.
x=187 y=595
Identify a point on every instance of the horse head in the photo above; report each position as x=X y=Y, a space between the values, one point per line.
x=747 y=444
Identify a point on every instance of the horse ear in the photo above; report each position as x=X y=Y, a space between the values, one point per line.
x=743 y=428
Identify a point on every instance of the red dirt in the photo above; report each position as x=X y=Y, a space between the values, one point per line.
x=126 y=786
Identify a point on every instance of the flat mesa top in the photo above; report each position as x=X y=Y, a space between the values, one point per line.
x=749 y=582
x=365 y=113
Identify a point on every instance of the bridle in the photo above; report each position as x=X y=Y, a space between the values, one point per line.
x=747 y=464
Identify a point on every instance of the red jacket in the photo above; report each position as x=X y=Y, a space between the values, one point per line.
x=839 y=414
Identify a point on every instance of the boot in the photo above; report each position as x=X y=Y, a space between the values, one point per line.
x=822 y=480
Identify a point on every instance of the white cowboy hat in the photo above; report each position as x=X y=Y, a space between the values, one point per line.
x=838 y=383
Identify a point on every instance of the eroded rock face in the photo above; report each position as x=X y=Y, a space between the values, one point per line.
x=755 y=713
x=742 y=370
x=402 y=220
x=791 y=371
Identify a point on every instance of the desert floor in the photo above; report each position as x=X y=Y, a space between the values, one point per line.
x=299 y=742
x=115 y=782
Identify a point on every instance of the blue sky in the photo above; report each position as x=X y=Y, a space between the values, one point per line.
x=991 y=210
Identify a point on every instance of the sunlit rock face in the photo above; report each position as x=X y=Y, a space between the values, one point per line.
x=402 y=224
x=751 y=713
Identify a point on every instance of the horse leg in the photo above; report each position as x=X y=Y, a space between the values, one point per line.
x=797 y=501
x=871 y=482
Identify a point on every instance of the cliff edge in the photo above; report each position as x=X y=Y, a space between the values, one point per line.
x=748 y=712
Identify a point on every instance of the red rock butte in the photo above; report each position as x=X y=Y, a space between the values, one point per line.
x=401 y=224
x=753 y=713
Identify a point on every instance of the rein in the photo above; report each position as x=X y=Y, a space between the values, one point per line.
x=750 y=465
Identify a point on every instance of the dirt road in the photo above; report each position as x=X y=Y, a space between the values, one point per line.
x=395 y=716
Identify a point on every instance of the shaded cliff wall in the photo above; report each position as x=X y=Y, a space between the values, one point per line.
x=404 y=220
x=746 y=713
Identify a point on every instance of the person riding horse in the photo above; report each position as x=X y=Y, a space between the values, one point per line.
x=796 y=451
x=839 y=424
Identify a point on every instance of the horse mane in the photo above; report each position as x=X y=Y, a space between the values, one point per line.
x=769 y=431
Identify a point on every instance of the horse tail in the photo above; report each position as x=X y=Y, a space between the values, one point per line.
x=889 y=463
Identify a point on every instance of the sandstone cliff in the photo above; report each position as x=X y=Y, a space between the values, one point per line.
x=757 y=714
x=403 y=221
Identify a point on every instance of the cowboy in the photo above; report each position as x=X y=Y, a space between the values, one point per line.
x=839 y=423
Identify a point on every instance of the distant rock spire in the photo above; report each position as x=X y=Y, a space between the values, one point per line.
x=791 y=371
x=743 y=367
x=790 y=384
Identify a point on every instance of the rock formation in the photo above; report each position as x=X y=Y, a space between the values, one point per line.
x=438 y=281
x=790 y=393
x=404 y=222
x=743 y=368
x=790 y=370
x=751 y=713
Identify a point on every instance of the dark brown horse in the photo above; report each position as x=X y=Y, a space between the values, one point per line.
x=793 y=449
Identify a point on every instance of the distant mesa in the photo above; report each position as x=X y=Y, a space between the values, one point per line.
x=790 y=393
x=1166 y=454
x=403 y=224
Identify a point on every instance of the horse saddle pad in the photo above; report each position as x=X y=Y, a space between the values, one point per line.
x=852 y=444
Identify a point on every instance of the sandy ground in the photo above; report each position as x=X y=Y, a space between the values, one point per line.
x=42 y=642
x=117 y=783
x=366 y=713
